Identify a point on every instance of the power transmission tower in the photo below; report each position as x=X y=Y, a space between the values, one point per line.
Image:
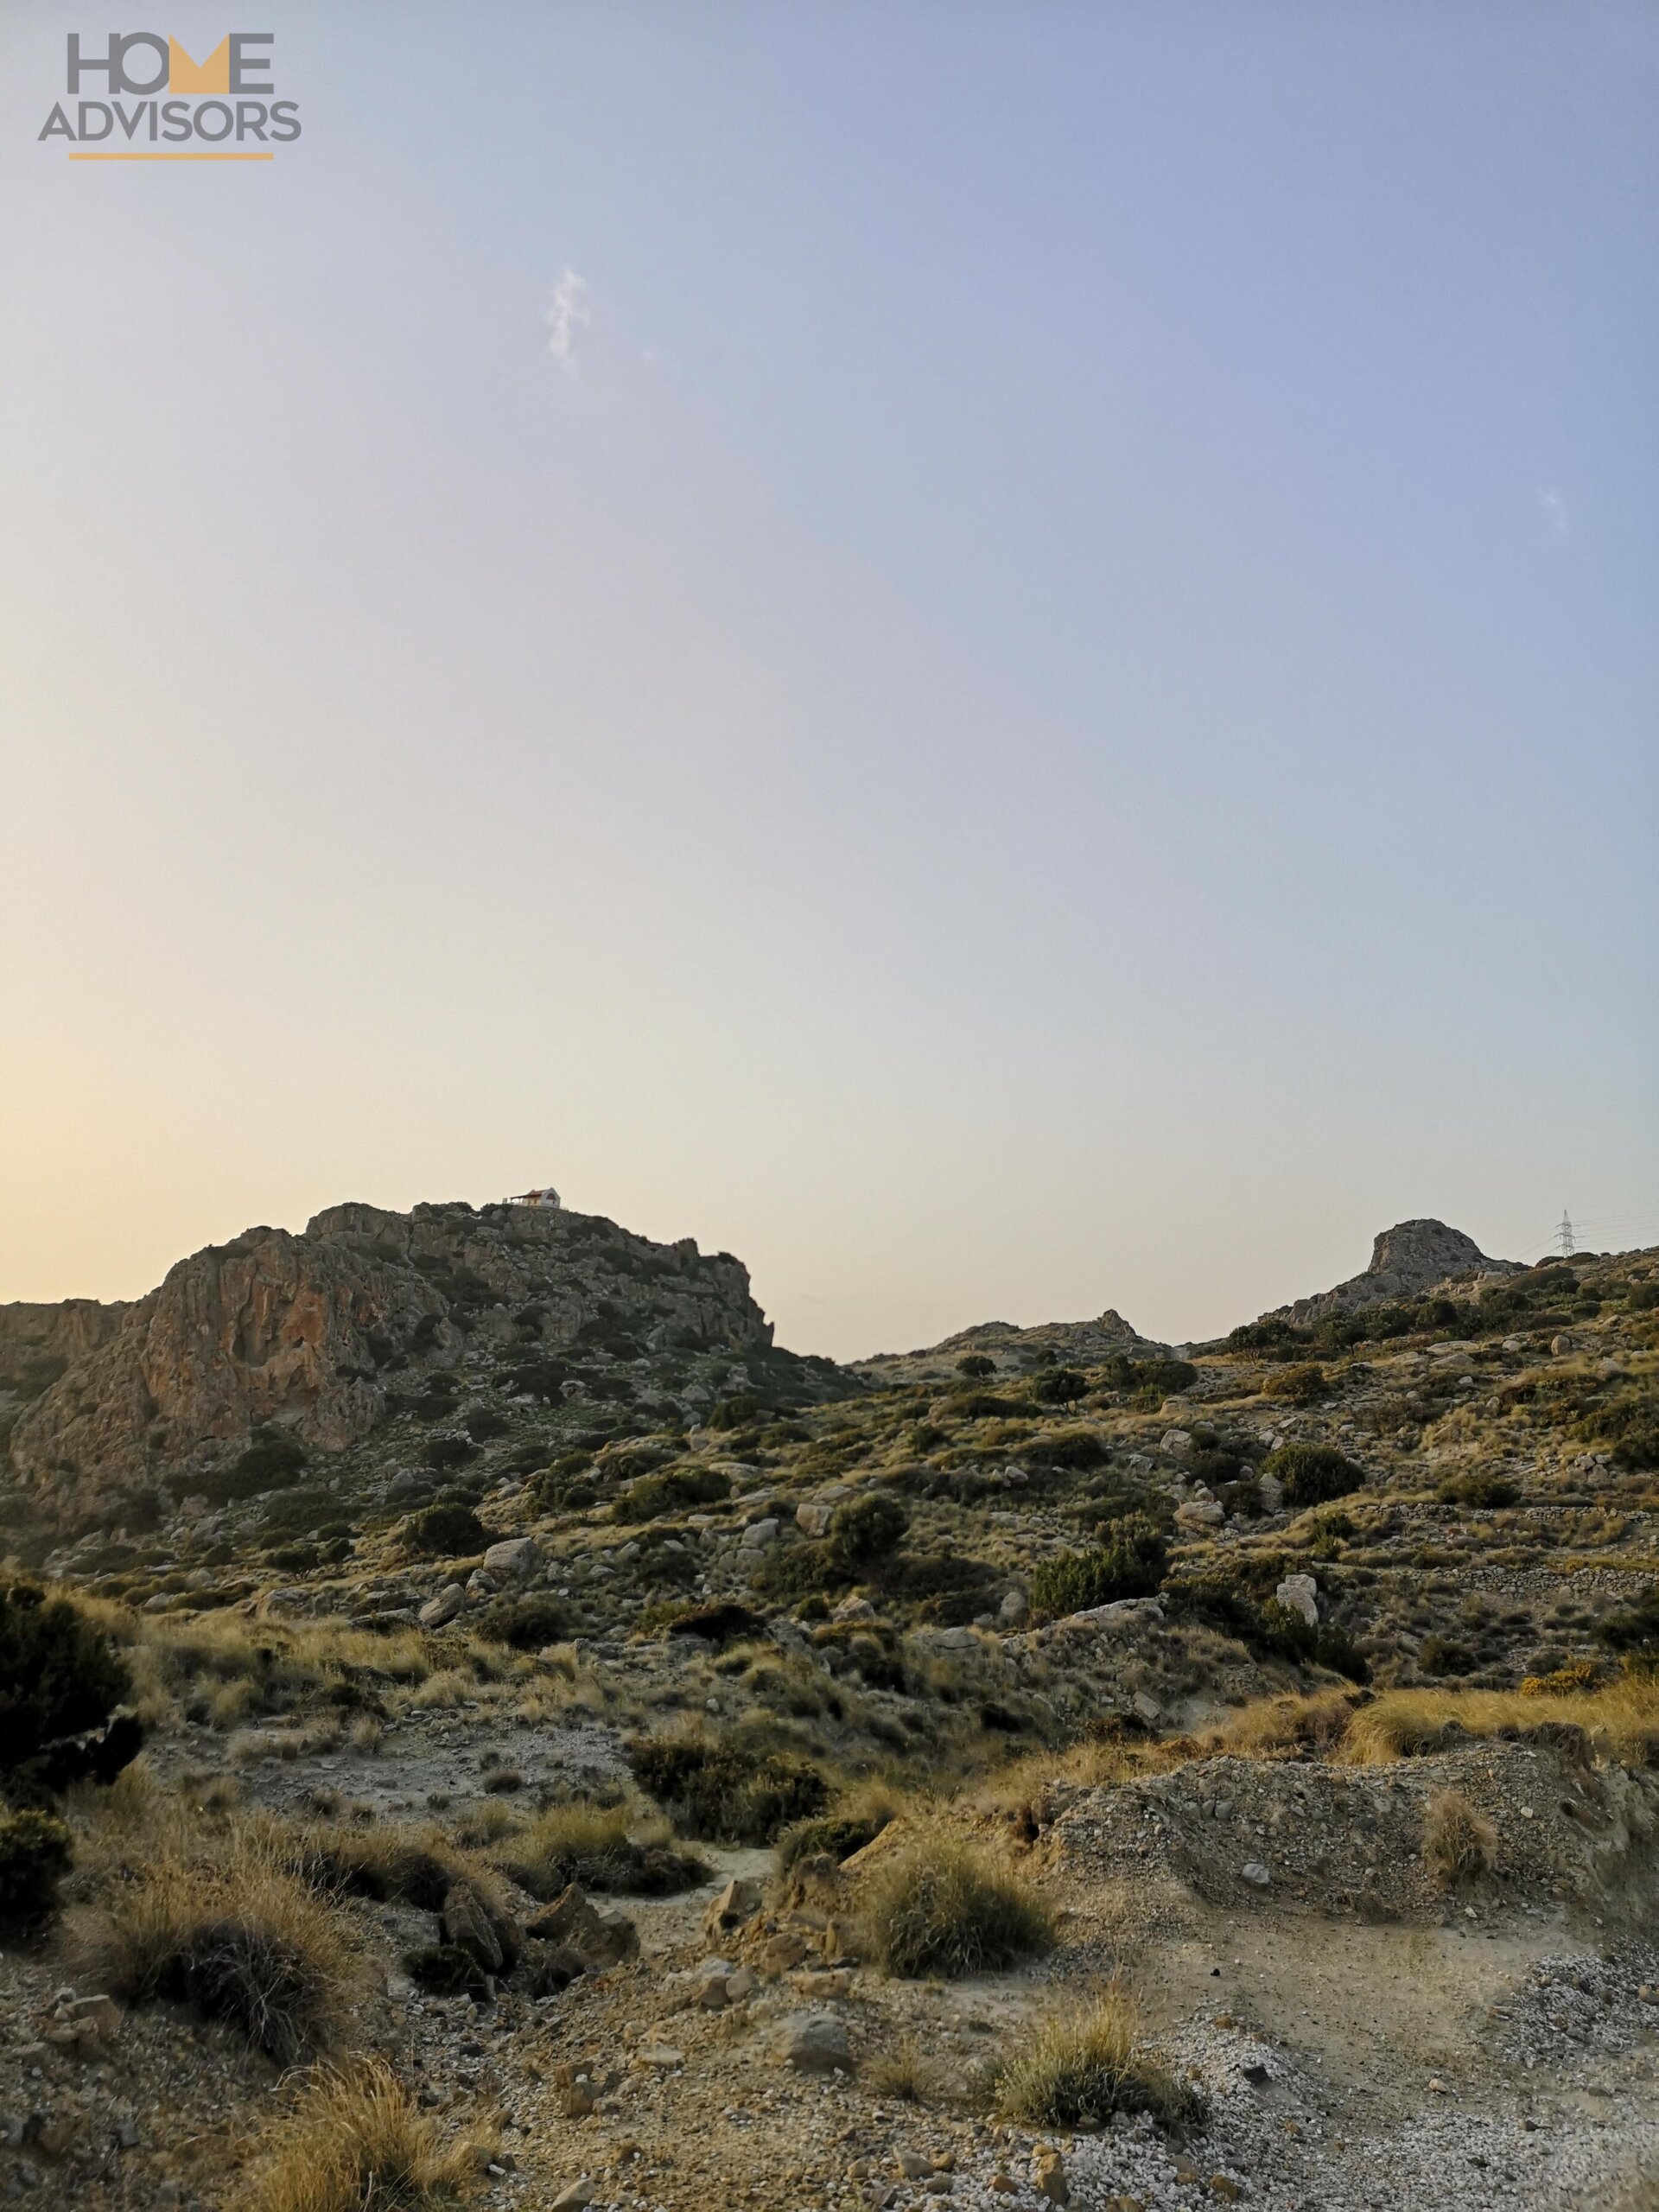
x=1564 y=1232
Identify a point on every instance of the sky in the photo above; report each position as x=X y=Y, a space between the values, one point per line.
x=1002 y=657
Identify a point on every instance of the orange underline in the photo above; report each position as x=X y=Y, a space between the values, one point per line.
x=172 y=157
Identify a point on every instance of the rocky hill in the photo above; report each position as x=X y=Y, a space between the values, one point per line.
x=1011 y=1348
x=1408 y=1261
x=639 y=1775
x=312 y=1340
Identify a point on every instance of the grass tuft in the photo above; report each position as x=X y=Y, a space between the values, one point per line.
x=940 y=1907
x=1459 y=1843
x=1081 y=2068
x=359 y=2142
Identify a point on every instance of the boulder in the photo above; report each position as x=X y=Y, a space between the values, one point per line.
x=438 y=1612
x=513 y=1559
x=598 y=1939
x=1299 y=1593
x=1048 y=2176
x=1271 y=1492
x=736 y=1905
x=468 y=1926
x=815 y=2043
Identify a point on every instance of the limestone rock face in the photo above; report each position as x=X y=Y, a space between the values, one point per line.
x=36 y=1342
x=1407 y=1261
x=303 y=1332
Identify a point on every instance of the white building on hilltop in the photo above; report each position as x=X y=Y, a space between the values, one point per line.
x=546 y=1200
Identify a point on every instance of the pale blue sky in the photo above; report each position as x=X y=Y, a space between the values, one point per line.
x=1054 y=705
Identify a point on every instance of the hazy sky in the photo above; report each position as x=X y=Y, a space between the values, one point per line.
x=1003 y=657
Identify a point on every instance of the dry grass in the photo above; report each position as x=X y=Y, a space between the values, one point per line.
x=359 y=2142
x=1278 y=1726
x=623 y=1849
x=1621 y=1720
x=903 y=2075
x=1079 y=2068
x=940 y=1907
x=1459 y=1843
x=239 y=1936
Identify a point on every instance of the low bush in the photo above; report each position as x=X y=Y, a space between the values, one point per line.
x=836 y=1835
x=442 y=1453
x=1303 y=1383
x=721 y=1624
x=481 y=1423
x=592 y=1845
x=1459 y=1843
x=1478 y=1490
x=358 y=2142
x=671 y=1492
x=445 y=1970
x=869 y=1527
x=940 y=1907
x=35 y=1856
x=525 y=1623
x=721 y=1791
x=1443 y=1654
x=975 y=1366
x=1130 y=1564
x=274 y=1460
x=446 y=1531
x=1312 y=1474
x=61 y=1681
x=1084 y=2067
x=1073 y=1449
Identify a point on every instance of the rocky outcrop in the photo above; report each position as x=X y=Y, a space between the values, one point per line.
x=307 y=1332
x=1407 y=1261
x=38 y=1342
x=1079 y=1342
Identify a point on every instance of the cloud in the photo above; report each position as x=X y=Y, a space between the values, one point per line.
x=1554 y=507
x=568 y=314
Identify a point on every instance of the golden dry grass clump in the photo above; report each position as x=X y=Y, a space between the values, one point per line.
x=940 y=1907
x=1459 y=1843
x=238 y=1936
x=358 y=2143
x=1079 y=2067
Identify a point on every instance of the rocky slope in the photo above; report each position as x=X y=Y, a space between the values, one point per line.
x=1010 y=1347
x=1407 y=1261
x=1197 y=1652
x=313 y=1336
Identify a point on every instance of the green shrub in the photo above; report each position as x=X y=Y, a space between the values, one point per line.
x=446 y=1531
x=671 y=1492
x=60 y=1682
x=34 y=1855
x=723 y=1792
x=1129 y=1565
x=525 y=1623
x=483 y=1422
x=445 y=1970
x=1479 y=1490
x=1312 y=1474
x=940 y=1907
x=1441 y=1655
x=836 y=1836
x=1303 y=1384
x=445 y=1451
x=1630 y=1425
x=272 y=1460
x=721 y=1624
x=590 y=1844
x=735 y=1411
x=975 y=1366
x=1071 y=1448
x=868 y=1527
x=1059 y=1386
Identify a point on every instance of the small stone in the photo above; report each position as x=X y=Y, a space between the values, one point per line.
x=1256 y=1874
x=913 y=2165
x=1224 y=2186
x=575 y=2197
x=736 y=1904
x=1048 y=2176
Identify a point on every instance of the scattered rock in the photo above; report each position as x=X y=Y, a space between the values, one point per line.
x=815 y=2043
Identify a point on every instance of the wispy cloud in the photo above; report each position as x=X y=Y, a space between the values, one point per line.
x=568 y=314
x=1554 y=507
